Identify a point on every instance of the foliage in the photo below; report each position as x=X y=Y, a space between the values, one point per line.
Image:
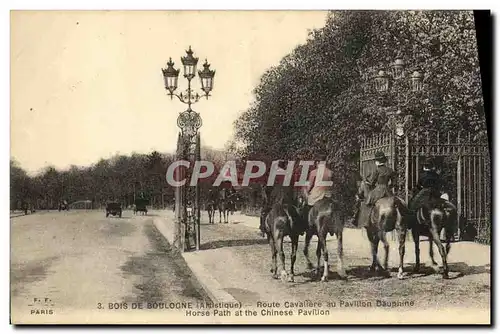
x=121 y=178
x=321 y=97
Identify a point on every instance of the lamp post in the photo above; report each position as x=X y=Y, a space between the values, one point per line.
x=399 y=121
x=189 y=122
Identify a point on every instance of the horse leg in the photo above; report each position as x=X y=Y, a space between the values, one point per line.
x=295 y=244
x=274 y=252
x=340 y=255
x=431 y=254
x=307 y=242
x=318 y=256
x=442 y=251
x=372 y=236
x=322 y=244
x=416 y=240
x=402 y=240
x=279 y=246
x=383 y=238
x=449 y=237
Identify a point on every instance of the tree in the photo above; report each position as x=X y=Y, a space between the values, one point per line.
x=321 y=99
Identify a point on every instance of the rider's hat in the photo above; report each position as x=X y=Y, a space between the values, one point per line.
x=380 y=157
x=428 y=163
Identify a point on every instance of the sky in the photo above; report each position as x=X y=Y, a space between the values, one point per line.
x=88 y=85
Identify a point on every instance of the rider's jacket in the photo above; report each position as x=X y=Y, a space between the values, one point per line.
x=381 y=176
x=430 y=180
x=317 y=192
x=429 y=189
x=380 y=179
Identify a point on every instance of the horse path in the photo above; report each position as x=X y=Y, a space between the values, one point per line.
x=234 y=261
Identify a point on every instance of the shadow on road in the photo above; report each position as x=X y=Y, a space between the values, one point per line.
x=161 y=274
x=33 y=271
x=232 y=243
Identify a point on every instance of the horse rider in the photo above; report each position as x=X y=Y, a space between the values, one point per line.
x=314 y=191
x=380 y=181
x=271 y=194
x=429 y=188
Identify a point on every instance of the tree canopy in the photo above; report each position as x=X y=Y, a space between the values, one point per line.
x=320 y=98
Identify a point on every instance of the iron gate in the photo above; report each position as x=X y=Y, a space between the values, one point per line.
x=466 y=170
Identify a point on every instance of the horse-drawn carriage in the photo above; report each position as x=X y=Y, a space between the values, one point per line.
x=140 y=205
x=113 y=208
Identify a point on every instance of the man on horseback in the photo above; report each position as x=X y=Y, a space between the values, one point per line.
x=274 y=193
x=314 y=191
x=429 y=188
x=381 y=180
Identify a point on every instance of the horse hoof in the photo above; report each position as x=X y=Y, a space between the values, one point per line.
x=275 y=276
x=272 y=271
x=445 y=275
x=400 y=276
x=324 y=279
x=291 y=279
x=342 y=274
x=372 y=268
x=284 y=276
x=435 y=268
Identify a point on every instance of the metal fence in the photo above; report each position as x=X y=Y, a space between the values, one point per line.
x=466 y=168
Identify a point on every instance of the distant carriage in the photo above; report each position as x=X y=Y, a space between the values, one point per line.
x=140 y=205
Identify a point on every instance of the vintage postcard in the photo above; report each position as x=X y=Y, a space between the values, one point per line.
x=250 y=167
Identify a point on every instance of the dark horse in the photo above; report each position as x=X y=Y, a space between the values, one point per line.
x=324 y=217
x=211 y=204
x=226 y=204
x=429 y=222
x=283 y=220
x=387 y=214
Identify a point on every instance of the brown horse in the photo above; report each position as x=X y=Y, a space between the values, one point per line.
x=211 y=205
x=226 y=204
x=385 y=215
x=430 y=222
x=283 y=220
x=324 y=217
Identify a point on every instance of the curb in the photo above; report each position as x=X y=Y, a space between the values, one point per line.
x=193 y=260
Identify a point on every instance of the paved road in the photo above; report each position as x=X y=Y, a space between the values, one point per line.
x=72 y=261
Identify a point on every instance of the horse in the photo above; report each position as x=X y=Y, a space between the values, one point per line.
x=226 y=204
x=211 y=205
x=324 y=217
x=387 y=214
x=282 y=220
x=430 y=221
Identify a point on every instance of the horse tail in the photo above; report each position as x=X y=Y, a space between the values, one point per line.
x=400 y=205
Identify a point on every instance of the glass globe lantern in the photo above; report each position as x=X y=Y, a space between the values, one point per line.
x=417 y=81
x=189 y=63
x=206 y=78
x=398 y=68
x=382 y=81
x=170 y=77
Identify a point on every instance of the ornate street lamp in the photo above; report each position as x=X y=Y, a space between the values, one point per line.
x=398 y=121
x=189 y=122
x=189 y=62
